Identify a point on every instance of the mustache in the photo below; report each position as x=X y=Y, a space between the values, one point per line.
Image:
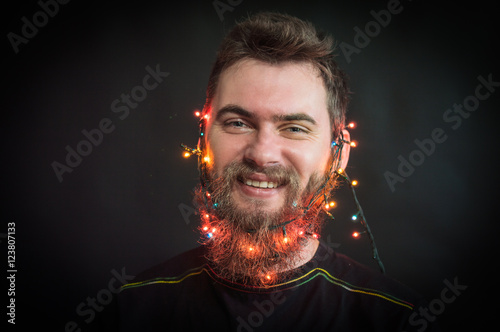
x=220 y=184
x=239 y=171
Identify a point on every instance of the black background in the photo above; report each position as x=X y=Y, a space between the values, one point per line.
x=122 y=207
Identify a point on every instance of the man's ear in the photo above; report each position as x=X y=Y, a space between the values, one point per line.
x=346 y=149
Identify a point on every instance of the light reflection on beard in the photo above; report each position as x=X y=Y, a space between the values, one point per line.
x=248 y=246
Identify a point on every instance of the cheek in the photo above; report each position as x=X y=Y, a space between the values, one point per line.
x=310 y=160
x=221 y=152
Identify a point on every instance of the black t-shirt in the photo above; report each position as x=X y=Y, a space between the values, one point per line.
x=331 y=293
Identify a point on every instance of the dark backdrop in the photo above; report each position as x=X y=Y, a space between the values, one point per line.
x=126 y=205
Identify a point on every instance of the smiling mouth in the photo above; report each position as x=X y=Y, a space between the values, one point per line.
x=260 y=184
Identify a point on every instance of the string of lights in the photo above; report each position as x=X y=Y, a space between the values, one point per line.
x=209 y=222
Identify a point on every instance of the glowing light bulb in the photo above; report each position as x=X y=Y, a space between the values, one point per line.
x=340 y=170
x=197 y=114
x=285 y=240
x=352 y=125
x=268 y=277
x=354 y=217
x=353 y=144
x=315 y=235
x=187 y=154
x=206 y=159
x=357 y=235
x=209 y=235
x=205 y=228
x=330 y=205
x=354 y=182
x=301 y=232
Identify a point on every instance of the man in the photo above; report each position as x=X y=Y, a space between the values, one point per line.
x=272 y=145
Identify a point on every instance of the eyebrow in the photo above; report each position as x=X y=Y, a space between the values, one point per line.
x=294 y=117
x=231 y=108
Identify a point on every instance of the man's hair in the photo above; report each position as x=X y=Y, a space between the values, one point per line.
x=276 y=38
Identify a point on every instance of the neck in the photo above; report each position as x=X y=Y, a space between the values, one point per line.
x=306 y=254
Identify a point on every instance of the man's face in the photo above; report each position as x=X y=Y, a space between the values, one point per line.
x=267 y=115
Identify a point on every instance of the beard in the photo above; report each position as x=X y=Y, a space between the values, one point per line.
x=250 y=245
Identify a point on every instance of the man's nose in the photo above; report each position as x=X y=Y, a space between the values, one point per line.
x=264 y=149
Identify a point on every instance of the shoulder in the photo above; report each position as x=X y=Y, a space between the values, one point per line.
x=359 y=291
x=174 y=268
x=355 y=277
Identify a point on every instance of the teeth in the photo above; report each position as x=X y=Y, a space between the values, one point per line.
x=261 y=184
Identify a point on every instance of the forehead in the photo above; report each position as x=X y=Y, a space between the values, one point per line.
x=269 y=90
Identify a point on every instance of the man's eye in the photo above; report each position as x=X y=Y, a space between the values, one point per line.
x=295 y=129
x=236 y=124
x=295 y=132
